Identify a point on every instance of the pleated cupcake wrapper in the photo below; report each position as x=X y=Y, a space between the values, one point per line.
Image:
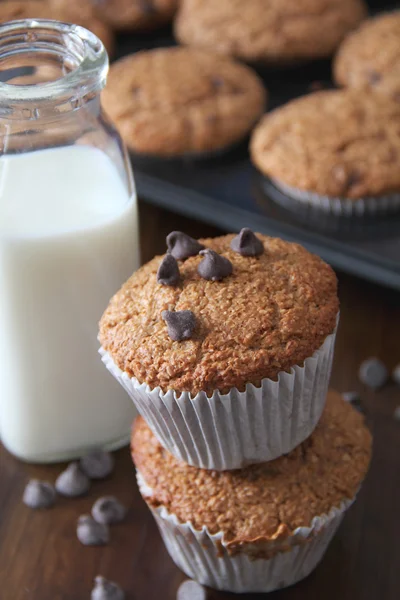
x=204 y=557
x=346 y=207
x=230 y=431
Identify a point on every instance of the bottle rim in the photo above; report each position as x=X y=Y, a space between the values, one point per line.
x=64 y=41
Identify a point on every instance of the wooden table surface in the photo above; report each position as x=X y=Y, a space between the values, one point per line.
x=41 y=558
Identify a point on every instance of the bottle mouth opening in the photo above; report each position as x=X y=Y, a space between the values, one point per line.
x=49 y=61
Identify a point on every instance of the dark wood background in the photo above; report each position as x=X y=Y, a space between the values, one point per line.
x=41 y=558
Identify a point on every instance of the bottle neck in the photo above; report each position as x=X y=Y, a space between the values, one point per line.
x=49 y=71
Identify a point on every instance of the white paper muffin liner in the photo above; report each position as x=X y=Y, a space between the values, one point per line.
x=230 y=431
x=203 y=556
x=343 y=206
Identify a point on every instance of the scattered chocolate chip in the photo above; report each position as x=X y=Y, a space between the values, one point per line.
x=180 y=324
x=39 y=494
x=106 y=590
x=108 y=510
x=98 y=464
x=72 y=482
x=247 y=244
x=351 y=397
x=214 y=267
x=373 y=373
x=168 y=271
x=91 y=533
x=182 y=246
x=191 y=590
x=396 y=413
x=396 y=374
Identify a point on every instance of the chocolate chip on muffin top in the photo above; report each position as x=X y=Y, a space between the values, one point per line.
x=267 y=501
x=272 y=312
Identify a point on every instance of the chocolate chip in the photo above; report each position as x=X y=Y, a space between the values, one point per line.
x=108 y=510
x=373 y=77
x=72 y=482
x=180 y=324
x=355 y=400
x=351 y=397
x=168 y=271
x=191 y=590
x=91 y=533
x=247 y=244
x=373 y=373
x=217 y=82
x=396 y=413
x=97 y=464
x=39 y=494
x=182 y=246
x=106 y=590
x=396 y=374
x=147 y=7
x=214 y=267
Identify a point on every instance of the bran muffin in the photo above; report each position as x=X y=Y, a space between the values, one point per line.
x=249 y=382
x=273 y=32
x=176 y=101
x=265 y=526
x=129 y=15
x=11 y=10
x=369 y=58
x=338 y=149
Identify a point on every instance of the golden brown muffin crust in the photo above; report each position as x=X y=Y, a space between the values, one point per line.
x=273 y=31
x=53 y=9
x=172 y=101
x=265 y=501
x=274 y=311
x=130 y=14
x=370 y=57
x=335 y=143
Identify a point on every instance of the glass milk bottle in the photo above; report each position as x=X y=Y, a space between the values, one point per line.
x=68 y=240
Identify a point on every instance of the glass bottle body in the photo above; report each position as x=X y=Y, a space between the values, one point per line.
x=68 y=240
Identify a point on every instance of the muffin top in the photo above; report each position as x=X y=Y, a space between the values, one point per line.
x=267 y=501
x=370 y=57
x=273 y=31
x=273 y=311
x=11 y=10
x=335 y=143
x=173 y=101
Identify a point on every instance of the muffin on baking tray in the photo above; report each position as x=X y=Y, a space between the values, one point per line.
x=129 y=15
x=225 y=345
x=274 y=32
x=338 y=150
x=11 y=10
x=263 y=527
x=369 y=58
x=177 y=101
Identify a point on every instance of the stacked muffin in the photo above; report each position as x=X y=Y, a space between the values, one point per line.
x=225 y=345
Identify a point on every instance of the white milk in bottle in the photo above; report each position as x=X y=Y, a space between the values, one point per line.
x=68 y=240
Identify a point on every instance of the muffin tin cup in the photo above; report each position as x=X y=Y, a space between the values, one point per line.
x=203 y=556
x=343 y=207
x=230 y=431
